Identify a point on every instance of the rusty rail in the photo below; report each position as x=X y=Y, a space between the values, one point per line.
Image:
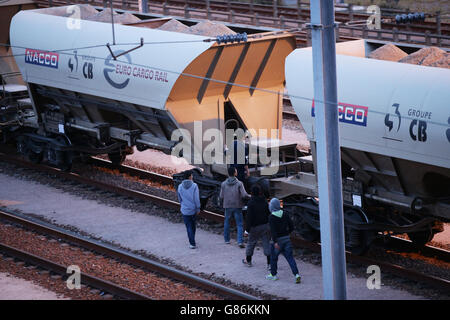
x=114 y=253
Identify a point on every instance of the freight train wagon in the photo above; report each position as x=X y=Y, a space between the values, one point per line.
x=86 y=96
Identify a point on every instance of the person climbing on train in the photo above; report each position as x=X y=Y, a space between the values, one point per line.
x=280 y=228
x=232 y=196
x=240 y=158
x=189 y=198
x=257 y=225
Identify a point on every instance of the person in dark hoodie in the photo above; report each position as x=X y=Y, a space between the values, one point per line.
x=232 y=194
x=280 y=228
x=189 y=197
x=257 y=225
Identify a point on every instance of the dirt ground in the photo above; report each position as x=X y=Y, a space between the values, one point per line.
x=13 y=288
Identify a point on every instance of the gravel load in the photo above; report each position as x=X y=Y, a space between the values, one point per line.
x=105 y=16
x=388 y=52
x=444 y=62
x=174 y=25
x=424 y=57
x=428 y=56
x=211 y=29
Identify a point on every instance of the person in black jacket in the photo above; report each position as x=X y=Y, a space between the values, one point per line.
x=280 y=228
x=257 y=225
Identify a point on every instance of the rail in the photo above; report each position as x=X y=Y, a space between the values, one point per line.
x=114 y=253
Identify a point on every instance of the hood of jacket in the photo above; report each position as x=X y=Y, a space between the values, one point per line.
x=278 y=213
x=231 y=181
x=187 y=184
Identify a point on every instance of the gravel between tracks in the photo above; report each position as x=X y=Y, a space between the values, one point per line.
x=43 y=279
x=15 y=288
x=150 y=284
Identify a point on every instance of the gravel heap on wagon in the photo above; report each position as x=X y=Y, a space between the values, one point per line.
x=428 y=56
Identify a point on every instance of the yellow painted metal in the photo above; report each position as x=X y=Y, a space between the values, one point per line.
x=260 y=109
x=7 y=11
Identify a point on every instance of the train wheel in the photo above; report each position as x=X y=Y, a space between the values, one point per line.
x=117 y=157
x=356 y=241
x=306 y=220
x=421 y=238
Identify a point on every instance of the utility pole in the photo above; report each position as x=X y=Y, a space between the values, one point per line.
x=327 y=150
x=143 y=6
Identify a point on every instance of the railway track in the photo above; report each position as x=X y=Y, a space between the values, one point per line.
x=436 y=32
x=61 y=270
x=110 y=252
x=439 y=283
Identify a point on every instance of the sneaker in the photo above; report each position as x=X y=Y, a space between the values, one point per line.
x=192 y=247
x=227 y=242
x=244 y=261
x=271 y=277
x=298 y=279
x=241 y=245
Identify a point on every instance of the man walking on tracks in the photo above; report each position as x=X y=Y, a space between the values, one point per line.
x=232 y=194
x=189 y=197
x=257 y=224
x=280 y=228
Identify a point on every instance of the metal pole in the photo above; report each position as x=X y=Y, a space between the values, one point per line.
x=112 y=23
x=328 y=152
x=143 y=6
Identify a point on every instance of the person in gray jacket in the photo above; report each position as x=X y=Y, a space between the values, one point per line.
x=232 y=194
x=189 y=197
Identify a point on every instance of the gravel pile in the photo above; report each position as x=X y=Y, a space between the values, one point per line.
x=388 y=52
x=424 y=57
x=444 y=62
x=428 y=56
x=204 y=28
x=294 y=125
x=105 y=16
x=145 y=166
x=211 y=29
x=174 y=25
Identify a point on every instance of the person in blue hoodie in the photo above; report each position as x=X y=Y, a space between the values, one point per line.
x=280 y=228
x=189 y=198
